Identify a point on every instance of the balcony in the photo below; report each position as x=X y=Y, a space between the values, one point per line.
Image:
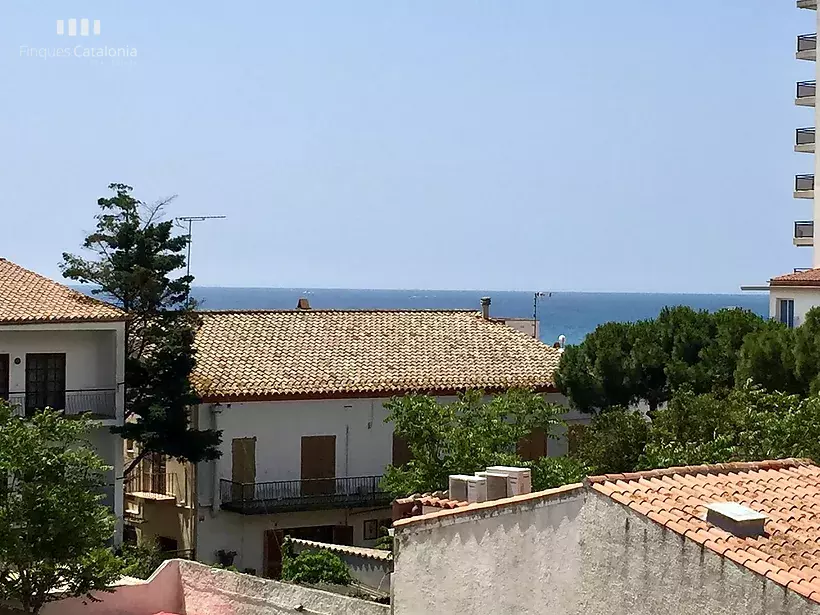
x=312 y=494
x=158 y=487
x=805 y=93
x=807 y=47
x=804 y=186
x=807 y=4
x=804 y=233
x=101 y=403
x=804 y=141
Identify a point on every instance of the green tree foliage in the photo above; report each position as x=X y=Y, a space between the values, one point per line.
x=319 y=566
x=136 y=259
x=744 y=424
x=613 y=442
x=54 y=530
x=620 y=364
x=551 y=472
x=464 y=436
x=141 y=560
x=779 y=358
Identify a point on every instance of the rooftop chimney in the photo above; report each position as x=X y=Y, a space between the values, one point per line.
x=485 y=307
x=303 y=304
x=736 y=519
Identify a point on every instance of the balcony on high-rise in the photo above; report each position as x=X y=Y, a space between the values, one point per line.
x=804 y=186
x=804 y=140
x=804 y=233
x=805 y=93
x=806 y=47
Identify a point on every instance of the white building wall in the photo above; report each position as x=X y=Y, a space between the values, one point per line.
x=816 y=167
x=95 y=359
x=90 y=355
x=804 y=300
x=364 y=446
x=364 y=441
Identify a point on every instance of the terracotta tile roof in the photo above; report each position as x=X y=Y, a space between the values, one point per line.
x=466 y=509
x=377 y=554
x=810 y=277
x=27 y=297
x=333 y=353
x=436 y=499
x=787 y=491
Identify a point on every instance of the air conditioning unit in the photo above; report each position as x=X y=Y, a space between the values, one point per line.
x=476 y=489
x=519 y=480
x=496 y=484
x=458 y=487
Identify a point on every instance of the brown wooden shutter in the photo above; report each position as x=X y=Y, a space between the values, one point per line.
x=243 y=467
x=318 y=462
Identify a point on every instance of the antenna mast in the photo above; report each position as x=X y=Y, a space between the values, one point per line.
x=190 y=220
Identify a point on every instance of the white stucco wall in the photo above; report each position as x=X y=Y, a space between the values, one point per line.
x=522 y=559
x=804 y=300
x=634 y=566
x=582 y=554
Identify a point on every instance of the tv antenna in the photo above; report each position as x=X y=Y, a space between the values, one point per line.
x=535 y=297
x=190 y=220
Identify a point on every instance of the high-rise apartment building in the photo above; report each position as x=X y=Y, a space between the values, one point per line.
x=793 y=294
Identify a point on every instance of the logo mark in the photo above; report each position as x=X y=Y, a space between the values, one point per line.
x=72 y=27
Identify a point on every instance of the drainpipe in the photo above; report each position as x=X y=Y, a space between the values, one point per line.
x=216 y=410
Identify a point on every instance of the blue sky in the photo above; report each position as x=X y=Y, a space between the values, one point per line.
x=535 y=144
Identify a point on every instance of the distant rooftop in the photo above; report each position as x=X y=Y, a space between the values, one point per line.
x=809 y=277
x=298 y=354
x=27 y=297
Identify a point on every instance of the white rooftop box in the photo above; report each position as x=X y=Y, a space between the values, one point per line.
x=519 y=480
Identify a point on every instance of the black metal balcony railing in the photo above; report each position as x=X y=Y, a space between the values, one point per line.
x=805 y=89
x=803 y=183
x=101 y=403
x=309 y=494
x=806 y=42
x=156 y=484
x=803 y=229
x=804 y=136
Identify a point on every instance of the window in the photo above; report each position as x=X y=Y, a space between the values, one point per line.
x=371 y=529
x=45 y=381
x=376 y=528
x=785 y=311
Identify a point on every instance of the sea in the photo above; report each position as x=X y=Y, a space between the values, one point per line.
x=572 y=314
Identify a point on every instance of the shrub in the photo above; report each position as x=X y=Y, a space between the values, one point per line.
x=550 y=472
x=313 y=567
x=141 y=560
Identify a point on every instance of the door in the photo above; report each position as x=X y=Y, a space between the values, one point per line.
x=153 y=473
x=45 y=381
x=273 y=553
x=243 y=468
x=318 y=465
x=4 y=376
